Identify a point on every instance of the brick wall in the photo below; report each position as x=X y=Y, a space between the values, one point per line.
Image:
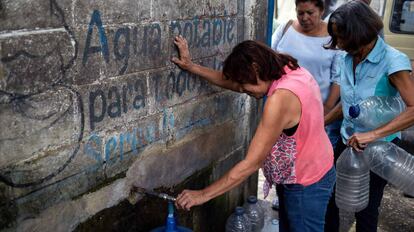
x=91 y=104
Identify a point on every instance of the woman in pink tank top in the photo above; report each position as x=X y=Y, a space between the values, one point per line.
x=290 y=142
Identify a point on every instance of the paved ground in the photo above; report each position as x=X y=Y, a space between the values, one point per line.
x=397 y=211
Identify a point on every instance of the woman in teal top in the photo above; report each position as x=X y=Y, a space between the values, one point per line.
x=371 y=68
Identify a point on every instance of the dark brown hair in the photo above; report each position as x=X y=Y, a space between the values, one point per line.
x=356 y=23
x=238 y=66
x=318 y=3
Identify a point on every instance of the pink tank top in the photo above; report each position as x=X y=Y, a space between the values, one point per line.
x=306 y=156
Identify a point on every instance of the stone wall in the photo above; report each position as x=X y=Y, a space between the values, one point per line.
x=90 y=105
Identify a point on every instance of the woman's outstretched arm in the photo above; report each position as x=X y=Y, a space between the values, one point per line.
x=282 y=110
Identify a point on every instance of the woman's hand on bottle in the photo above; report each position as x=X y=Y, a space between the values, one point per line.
x=184 y=60
x=190 y=198
x=359 y=141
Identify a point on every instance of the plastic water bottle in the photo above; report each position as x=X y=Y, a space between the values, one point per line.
x=392 y=163
x=254 y=213
x=352 y=181
x=376 y=111
x=171 y=224
x=275 y=203
x=272 y=226
x=238 y=221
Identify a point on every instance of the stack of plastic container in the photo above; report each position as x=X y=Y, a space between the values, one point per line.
x=254 y=213
x=386 y=159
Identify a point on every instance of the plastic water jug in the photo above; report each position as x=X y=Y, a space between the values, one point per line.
x=376 y=111
x=171 y=224
x=238 y=221
x=352 y=181
x=391 y=163
x=271 y=226
x=255 y=213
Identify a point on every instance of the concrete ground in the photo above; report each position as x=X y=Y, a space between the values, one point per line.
x=396 y=215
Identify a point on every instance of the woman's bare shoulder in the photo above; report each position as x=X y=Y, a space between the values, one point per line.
x=284 y=98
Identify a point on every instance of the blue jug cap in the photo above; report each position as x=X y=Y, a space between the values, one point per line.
x=354 y=111
x=275 y=222
x=239 y=210
x=252 y=199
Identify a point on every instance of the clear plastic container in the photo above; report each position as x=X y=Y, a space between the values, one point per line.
x=271 y=226
x=376 y=111
x=238 y=221
x=352 y=181
x=391 y=163
x=275 y=203
x=255 y=213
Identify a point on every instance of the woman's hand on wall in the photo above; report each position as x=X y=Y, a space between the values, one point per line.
x=213 y=76
x=184 y=60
